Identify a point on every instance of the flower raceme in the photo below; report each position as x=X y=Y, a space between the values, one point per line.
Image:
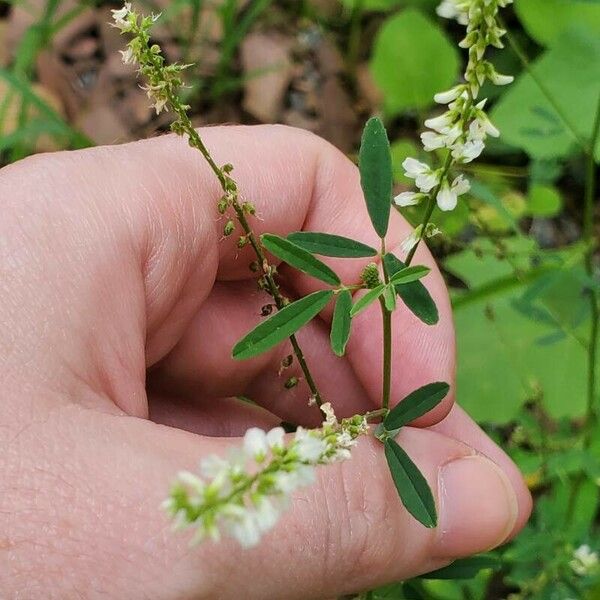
x=462 y=129
x=243 y=495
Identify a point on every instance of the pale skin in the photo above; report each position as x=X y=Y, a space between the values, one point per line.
x=119 y=304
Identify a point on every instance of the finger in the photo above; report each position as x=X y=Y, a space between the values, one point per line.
x=459 y=426
x=129 y=236
x=97 y=492
x=202 y=365
x=215 y=417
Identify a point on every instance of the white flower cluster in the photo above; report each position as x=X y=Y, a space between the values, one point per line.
x=243 y=495
x=163 y=80
x=584 y=562
x=463 y=128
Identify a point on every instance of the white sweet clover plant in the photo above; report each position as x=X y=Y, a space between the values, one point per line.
x=463 y=128
x=243 y=494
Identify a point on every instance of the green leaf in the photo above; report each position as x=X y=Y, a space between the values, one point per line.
x=546 y=20
x=300 y=259
x=414 y=295
x=365 y=301
x=327 y=244
x=465 y=568
x=514 y=368
x=340 y=325
x=409 y=274
x=416 y=404
x=375 y=164
x=544 y=200
x=402 y=64
x=281 y=325
x=389 y=298
x=412 y=487
x=570 y=72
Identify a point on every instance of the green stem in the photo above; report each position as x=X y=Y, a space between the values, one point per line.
x=524 y=59
x=267 y=270
x=430 y=207
x=592 y=349
x=588 y=236
x=387 y=354
x=386 y=316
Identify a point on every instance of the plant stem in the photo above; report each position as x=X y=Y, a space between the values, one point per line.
x=430 y=207
x=386 y=316
x=588 y=236
x=387 y=354
x=266 y=269
x=524 y=59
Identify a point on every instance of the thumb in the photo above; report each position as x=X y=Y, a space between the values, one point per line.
x=91 y=483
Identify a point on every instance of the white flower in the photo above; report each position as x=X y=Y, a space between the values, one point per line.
x=433 y=141
x=499 y=79
x=121 y=17
x=448 y=194
x=309 y=447
x=241 y=524
x=266 y=514
x=275 y=438
x=440 y=123
x=127 y=56
x=192 y=482
x=431 y=230
x=425 y=177
x=448 y=9
x=468 y=151
x=330 y=418
x=408 y=198
x=584 y=561
x=411 y=240
x=255 y=444
x=481 y=127
x=449 y=95
x=286 y=482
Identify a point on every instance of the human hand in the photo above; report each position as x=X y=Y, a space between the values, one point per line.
x=119 y=302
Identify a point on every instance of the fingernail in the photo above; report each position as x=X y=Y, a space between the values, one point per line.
x=478 y=506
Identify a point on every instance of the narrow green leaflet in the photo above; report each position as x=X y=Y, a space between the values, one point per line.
x=300 y=259
x=389 y=298
x=412 y=487
x=465 y=568
x=366 y=300
x=281 y=325
x=414 y=295
x=416 y=404
x=409 y=274
x=340 y=325
x=375 y=164
x=327 y=244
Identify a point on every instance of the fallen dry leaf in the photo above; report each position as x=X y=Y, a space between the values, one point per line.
x=267 y=66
